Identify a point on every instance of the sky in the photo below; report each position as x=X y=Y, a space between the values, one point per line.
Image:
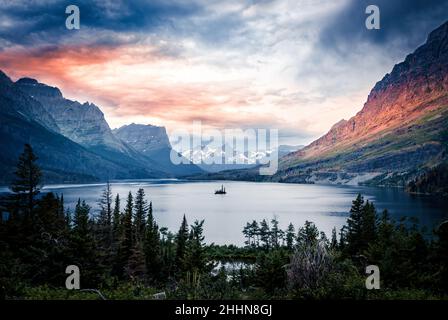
x=298 y=66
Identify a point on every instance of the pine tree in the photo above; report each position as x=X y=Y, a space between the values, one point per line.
x=181 y=244
x=81 y=223
x=385 y=228
x=308 y=234
x=251 y=232
x=152 y=247
x=255 y=229
x=26 y=185
x=140 y=215
x=128 y=230
x=265 y=234
x=195 y=260
x=334 y=239
x=126 y=243
x=354 y=226
x=49 y=218
x=61 y=206
x=83 y=246
x=369 y=224
x=343 y=238
x=136 y=264
x=247 y=234
x=116 y=221
x=105 y=218
x=276 y=234
x=362 y=226
x=290 y=236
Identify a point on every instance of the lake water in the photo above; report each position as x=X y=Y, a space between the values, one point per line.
x=226 y=215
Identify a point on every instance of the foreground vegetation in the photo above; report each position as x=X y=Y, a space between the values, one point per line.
x=124 y=254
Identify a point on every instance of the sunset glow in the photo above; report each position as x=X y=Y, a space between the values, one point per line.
x=263 y=70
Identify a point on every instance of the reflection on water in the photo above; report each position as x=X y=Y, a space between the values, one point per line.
x=226 y=215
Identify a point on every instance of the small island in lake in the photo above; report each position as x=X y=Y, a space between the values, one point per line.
x=221 y=191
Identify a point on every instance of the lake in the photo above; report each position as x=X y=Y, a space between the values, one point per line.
x=226 y=215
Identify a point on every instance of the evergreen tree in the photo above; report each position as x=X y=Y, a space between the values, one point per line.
x=152 y=247
x=276 y=234
x=83 y=246
x=195 y=259
x=385 y=228
x=343 y=238
x=251 y=233
x=126 y=244
x=290 y=236
x=270 y=271
x=181 y=245
x=168 y=252
x=61 y=205
x=116 y=221
x=247 y=232
x=140 y=215
x=255 y=231
x=264 y=232
x=49 y=218
x=369 y=224
x=334 y=239
x=308 y=234
x=355 y=225
x=362 y=226
x=136 y=264
x=105 y=218
x=26 y=185
x=128 y=229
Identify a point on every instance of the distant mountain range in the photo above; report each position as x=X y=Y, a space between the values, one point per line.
x=73 y=141
x=239 y=160
x=399 y=136
x=153 y=143
x=400 y=133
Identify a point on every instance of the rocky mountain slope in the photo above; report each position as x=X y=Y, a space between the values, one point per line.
x=82 y=123
x=400 y=132
x=398 y=138
x=23 y=104
x=73 y=140
x=61 y=159
x=153 y=143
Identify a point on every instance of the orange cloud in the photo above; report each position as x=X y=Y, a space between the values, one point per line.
x=139 y=82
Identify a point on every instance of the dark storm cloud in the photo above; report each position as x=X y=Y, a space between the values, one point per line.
x=407 y=22
x=34 y=22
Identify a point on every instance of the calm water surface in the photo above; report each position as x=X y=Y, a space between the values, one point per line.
x=226 y=215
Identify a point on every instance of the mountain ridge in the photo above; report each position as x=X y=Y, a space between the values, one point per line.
x=400 y=133
x=407 y=109
x=87 y=149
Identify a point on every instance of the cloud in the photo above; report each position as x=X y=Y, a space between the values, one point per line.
x=404 y=24
x=298 y=66
x=30 y=23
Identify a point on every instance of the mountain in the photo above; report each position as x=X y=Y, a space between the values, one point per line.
x=401 y=131
x=398 y=138
x=285 y=149
x=153 y=143
x=25 y=105
x=82 y=123
x=24 y=120
x=86 y=125
x=243 y=160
